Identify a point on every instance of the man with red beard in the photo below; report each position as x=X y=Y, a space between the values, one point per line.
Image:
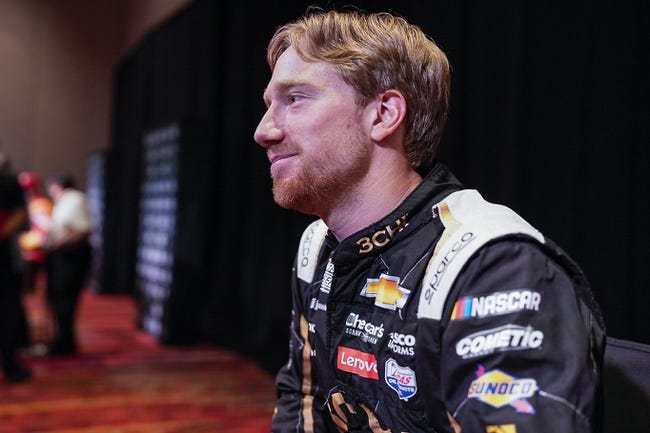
x=417 y=305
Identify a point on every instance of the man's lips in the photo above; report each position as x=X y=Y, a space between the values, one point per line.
x=279 y=160
x=279 y=157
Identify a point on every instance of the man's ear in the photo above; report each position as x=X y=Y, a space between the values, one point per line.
x=390 y=114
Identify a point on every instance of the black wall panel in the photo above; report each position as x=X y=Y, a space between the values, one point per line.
x=549 y=115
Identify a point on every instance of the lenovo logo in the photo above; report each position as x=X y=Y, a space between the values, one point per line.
x=356 y=362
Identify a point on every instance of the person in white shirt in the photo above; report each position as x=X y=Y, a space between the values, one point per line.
x=69 y=256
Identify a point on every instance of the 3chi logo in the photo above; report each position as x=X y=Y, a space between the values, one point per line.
x=383 y=236
x=386 y=291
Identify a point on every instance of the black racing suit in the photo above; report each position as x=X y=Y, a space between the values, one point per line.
x=449 y=311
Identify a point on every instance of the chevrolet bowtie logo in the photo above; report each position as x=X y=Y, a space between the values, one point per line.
x=386 y=291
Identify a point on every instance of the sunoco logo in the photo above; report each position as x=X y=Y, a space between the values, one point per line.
x=507 y=337
x=499 y=389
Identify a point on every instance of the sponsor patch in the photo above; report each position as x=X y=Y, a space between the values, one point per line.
x=504 y=428
x=310 y=245
x=328 y=277
x=357 y=362
x=496 y=304
x=316 y=305
x=401 y=379
x=387 y=292
x=504 y=338
x=382 y=236
x=402 y=344
x=470 y=222
x=498 y=388
x=366 y=331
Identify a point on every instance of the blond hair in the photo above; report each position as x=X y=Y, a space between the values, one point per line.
x=374 y=53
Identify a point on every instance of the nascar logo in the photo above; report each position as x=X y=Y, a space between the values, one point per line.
x=496 y=304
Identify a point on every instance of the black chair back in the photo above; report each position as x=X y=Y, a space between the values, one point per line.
x=626 y=387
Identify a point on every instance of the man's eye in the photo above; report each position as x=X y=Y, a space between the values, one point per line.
x=294 y=98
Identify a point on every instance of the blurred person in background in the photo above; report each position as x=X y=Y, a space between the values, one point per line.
x=13 y=217
x=32 y=242
x=68 y=258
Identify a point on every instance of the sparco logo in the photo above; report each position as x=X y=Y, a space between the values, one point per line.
x=363 y=329
x=402 y=344
x=306 y=247
x=449 y=255
x=503 y=338
x=383 y=236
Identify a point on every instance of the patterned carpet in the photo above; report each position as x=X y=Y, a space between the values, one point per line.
x=124 y=382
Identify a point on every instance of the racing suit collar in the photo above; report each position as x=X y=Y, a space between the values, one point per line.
x=374 y=239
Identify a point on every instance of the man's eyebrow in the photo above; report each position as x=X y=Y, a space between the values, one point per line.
x=285 y=86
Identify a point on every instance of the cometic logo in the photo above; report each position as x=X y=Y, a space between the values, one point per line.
x=498 y=389
x=356 y=362
x=507 y=337
x=496 y=304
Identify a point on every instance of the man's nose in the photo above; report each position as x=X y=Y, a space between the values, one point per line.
x=267 y=132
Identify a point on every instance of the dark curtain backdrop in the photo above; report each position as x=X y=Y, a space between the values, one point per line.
x=549 y=115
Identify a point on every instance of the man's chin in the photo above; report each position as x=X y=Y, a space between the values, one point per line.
x=294 y=197
x=287 y=201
